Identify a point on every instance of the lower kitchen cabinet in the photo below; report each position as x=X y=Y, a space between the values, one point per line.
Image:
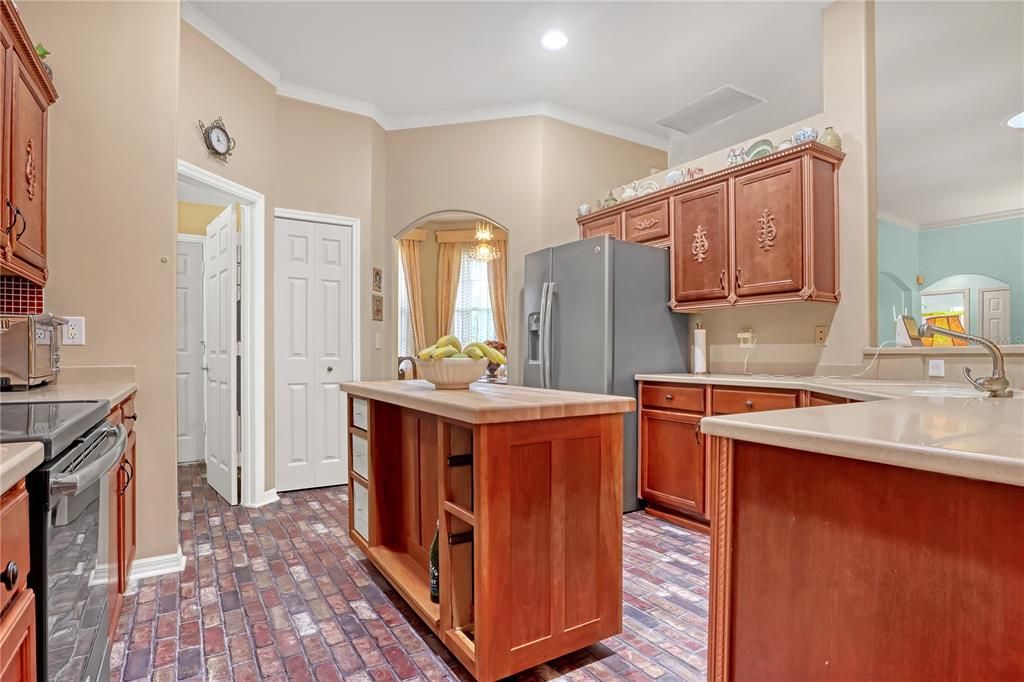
x=123 y=500
x=672 y=460
x=18 y=640
x=17 y=601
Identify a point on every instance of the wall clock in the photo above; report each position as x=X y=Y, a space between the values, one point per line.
x=217 y=140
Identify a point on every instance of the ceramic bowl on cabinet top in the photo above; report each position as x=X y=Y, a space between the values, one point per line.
x=647 y=187
x=674 y=177
x=805 y=134
x=584 y=209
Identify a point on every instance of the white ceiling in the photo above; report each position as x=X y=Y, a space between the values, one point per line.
x=949 y=75
x=626 y=66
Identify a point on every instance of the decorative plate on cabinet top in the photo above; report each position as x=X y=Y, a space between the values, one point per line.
x=759 y=149
x=647 y=187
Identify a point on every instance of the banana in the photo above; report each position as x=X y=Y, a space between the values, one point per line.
x=425 y=353
x=459 y=356
x=474 y=352
x=493 y=355
x=449 y=340
x=445 y=352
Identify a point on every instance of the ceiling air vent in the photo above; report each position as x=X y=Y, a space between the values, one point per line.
x=710 y=109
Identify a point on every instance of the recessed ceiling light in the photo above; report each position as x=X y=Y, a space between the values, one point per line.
x=554 y=40
x=1016 y=121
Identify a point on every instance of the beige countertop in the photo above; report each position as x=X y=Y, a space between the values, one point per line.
x=16 y=461
x=112 y=391
x=486 y=403
x=944 y=428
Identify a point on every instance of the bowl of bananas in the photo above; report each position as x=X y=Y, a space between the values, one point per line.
x=450 y=366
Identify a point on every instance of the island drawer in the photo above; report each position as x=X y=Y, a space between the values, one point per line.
x=739 y=400
x=360 y=456
x=361 y=510
x=360 y=413
x=14 y=541
x=673 y=397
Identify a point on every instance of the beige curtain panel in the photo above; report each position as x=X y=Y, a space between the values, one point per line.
x=449 y=262
x=497 y=280
x=409 y=251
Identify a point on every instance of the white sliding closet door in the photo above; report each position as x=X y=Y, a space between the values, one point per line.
x=313 y=352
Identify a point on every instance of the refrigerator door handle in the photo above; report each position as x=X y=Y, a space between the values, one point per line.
x=540 y=331
x=546 y=337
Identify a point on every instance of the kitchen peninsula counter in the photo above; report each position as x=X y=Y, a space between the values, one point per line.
x=877 y=540
x=523 y=487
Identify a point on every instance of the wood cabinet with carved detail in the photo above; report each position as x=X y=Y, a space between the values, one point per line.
x=764 y=231
x=27 y=93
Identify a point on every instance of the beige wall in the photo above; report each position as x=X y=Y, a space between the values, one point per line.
x=111 y=214
x=785 y=333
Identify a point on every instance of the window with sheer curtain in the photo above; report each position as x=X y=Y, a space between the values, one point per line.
x=406 y=339
x=473 y=320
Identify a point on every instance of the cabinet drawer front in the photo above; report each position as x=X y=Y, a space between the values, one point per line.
x=769 y=230
x=647 y=223
x=360 y=413
x=361 y=510
x=738 y=400
x=360 y=456
x=824 y=399
x=687 y=398
x=14 y=539
x=610 y=225
x=700 y=250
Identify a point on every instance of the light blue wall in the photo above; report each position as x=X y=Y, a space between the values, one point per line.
x=898 y=268
x=994 y=249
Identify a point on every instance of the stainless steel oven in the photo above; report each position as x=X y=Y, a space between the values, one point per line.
x=78 y=582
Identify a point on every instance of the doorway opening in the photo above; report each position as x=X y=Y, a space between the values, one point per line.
x=451 y=277
x=220 y=333
x=316 y=345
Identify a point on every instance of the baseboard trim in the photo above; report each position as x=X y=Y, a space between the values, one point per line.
x=158 y=565
x=269 y=497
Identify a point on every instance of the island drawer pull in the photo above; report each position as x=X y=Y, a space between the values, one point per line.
x=749 y=403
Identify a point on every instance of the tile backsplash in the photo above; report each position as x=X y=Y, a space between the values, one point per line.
x=18 y=296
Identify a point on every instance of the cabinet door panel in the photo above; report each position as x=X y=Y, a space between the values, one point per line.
x=18 y=640
x=769 y=230
x=647 y=223
x=673 y=471
x=129 y=540
x=701 y=244
x=27 y=178
x=5 y=213
x=611 y=225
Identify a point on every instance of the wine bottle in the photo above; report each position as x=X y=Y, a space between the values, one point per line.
x=435 y=590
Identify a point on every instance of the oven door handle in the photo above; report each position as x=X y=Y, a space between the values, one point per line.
x=70 y=485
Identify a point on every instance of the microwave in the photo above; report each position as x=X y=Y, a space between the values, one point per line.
x=29 y=349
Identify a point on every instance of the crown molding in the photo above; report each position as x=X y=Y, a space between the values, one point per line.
x=897 y=220
x=332 y=101
x=205 y=25
x=202 y=23
x=975 y=219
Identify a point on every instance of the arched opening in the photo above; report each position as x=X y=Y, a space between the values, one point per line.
x=451 y=277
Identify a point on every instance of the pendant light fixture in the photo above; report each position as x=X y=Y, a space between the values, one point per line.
x=484 y=249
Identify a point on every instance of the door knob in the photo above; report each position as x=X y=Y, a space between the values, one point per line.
x=329 y=368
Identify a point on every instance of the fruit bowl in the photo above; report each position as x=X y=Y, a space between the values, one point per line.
x=451 y=373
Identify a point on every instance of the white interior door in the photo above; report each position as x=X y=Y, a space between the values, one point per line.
x=189 y=324
x=995 y=315
x=220 y=298
x=313 y=311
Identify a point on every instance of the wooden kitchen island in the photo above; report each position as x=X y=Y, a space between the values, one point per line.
x=525 y=486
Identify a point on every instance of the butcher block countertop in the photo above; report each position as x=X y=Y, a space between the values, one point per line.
x=16 y=461
x=489 y=403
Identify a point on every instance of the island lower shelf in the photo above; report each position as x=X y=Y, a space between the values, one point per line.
x=529 y=522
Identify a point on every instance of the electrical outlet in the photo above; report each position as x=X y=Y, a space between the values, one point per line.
x=936 y=368
x=746 y=338
x=820 y=335
x=73 y=333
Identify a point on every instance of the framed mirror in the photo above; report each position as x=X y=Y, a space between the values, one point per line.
x=950 y=166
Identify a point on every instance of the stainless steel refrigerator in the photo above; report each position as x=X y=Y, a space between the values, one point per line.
x=596 y=314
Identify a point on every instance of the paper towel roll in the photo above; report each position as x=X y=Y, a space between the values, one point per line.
x=700 y=350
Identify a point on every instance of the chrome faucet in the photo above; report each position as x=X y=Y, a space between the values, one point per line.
x=997 y=385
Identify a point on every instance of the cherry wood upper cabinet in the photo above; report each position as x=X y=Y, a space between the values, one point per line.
x=769 y=230
x=701 y=244
x=27 y=94
x=764 y=231
x=606 y=224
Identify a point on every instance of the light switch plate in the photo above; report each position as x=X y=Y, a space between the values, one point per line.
x=378 y=341
x=73 y=333
x=936 y=368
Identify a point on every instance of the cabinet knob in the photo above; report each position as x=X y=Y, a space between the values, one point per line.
x=9 y=577
x=749 y=403
x=668 y=396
